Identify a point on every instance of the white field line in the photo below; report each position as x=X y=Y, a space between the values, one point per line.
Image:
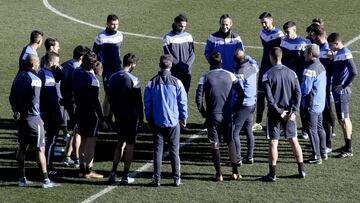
x=139 y=170
x=54 y=10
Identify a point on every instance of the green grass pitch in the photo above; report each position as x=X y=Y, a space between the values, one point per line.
x=336 y=180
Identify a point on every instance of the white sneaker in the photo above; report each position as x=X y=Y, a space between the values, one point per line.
x=257 y=127
x=127 y=180
x=23 y=182
x=49 y=184
x=304 y=136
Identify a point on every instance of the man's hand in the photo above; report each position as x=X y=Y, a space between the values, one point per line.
x=182 y=123
x=203 y=112
x=338 y=88
x=16 y=116
x=292 y=117
x=284 y=115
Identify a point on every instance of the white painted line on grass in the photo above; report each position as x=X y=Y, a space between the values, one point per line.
x=145 y=167
x=54 y=10
x=352 y=41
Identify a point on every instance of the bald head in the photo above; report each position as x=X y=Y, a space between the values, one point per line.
x=32 y=62
x=239 y=56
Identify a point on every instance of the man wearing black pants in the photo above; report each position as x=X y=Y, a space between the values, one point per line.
x=243 y=116
x=318 y=36
x=313 y=89
x=50 y=107
x=165 y=102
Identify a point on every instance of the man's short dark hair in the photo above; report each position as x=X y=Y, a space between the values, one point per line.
x=276 y=53
x=320 y=21
x=78 y=52
x=50 y=56
x=319 y=31
x=215 y=59
x=224 y=16
x=165 y=61
x=334 y=37
x=35 y=36
x=312 y=27
x=49 y=42
x=265 y=15
x=288 y=25
x=112 y=17
x=129 y=59
x=89 y=61
x=180 y=18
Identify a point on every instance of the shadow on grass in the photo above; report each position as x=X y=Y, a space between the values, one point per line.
x=7 y=124
x=197 y=153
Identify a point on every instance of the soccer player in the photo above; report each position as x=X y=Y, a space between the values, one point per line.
x=107 y=46
x=313 y=91
x=216 y=85
x=88 y=112
x=243 y=116
x=127 y=106
x=283 y=94
x=165 y=102
x=36 y=39
x=344 y=72
x=25 y=101
x=316 y=23
x=225 y=42
x=50 y=107
x=179 y=44
x=51 y=45
x=67 y=101
x=293 y=47
x=270 y=37
x=318 y=36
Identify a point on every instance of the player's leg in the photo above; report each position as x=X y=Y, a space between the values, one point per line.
x=174 y=145
x=296 y=148
x=158 y=144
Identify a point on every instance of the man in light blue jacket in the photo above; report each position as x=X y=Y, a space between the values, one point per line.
x=165 y=102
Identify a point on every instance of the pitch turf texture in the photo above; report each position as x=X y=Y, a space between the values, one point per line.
x=336 y=180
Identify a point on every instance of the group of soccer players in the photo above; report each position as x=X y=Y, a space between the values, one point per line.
x=297 y=76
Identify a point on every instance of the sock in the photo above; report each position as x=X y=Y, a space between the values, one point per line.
x=300 y=166
x=64 y=129
x=82 y=168
x=347 y=144
x=216 y=159
x=21 y=171
x=126 y=172
x=45 y=176
x=259 y=117
x=234 y=167
x=114 y=167
x=272 y=170
x=88 y=170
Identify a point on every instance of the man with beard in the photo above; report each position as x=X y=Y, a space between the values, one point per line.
x=179 y=44
x=225 y=42
x=270 y=37
x=107 y=48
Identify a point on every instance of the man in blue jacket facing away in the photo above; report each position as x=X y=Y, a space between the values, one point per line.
x=165 y=102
